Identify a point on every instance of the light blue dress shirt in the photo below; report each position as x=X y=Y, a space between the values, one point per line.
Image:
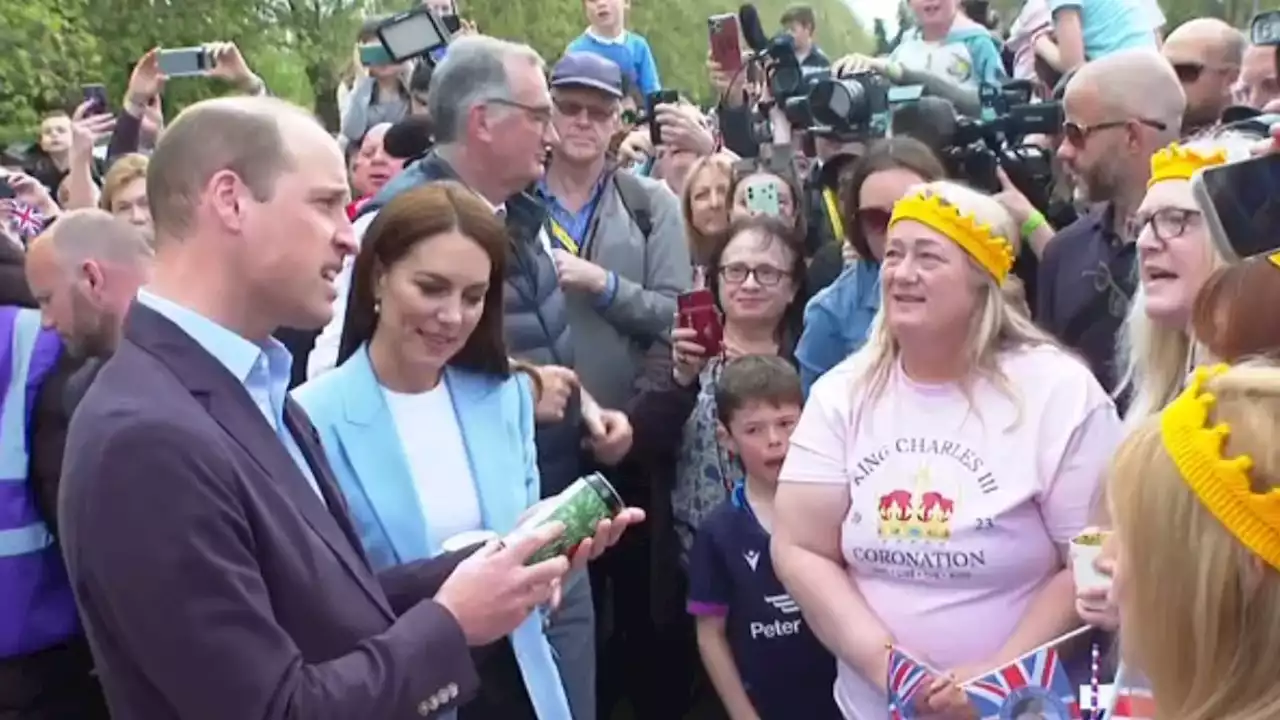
x=263 y=370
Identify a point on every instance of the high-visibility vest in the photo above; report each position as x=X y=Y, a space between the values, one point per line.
x=37 y=609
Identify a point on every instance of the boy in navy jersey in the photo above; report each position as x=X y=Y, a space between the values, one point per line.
x=764 y=662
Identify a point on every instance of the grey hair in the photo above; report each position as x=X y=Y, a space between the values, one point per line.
x=474 y=71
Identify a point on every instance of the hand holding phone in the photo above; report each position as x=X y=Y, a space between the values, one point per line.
x=726 y=45
x=652 y=101
x=185 y=62
x=95 y=97
x=697 y=311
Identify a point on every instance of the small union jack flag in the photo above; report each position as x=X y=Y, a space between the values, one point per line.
x=1035 y=686
x=24 y=220
x=907 y=676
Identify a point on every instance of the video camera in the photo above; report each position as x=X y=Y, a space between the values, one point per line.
x=975 y=148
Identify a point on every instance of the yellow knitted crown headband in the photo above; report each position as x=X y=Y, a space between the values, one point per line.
x=992 y=252
x=1178 y=163
x=1222 y=484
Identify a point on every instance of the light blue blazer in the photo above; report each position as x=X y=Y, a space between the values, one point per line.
x=350 y=412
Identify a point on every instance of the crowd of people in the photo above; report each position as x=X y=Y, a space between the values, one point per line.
x=282 y=402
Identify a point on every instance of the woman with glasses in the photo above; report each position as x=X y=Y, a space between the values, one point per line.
x=937 y=475
x=836 y=320
x=755 y=273
x=1156 y=345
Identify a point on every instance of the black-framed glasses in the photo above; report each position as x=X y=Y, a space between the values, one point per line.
x=766 y=275
x=1078 y=134
x=1166 y=223
x=540 y=114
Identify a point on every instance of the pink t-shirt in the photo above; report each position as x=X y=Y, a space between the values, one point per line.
x=958 y=512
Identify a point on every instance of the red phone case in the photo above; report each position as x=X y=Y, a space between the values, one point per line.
x=726 y=48
x=697 y=310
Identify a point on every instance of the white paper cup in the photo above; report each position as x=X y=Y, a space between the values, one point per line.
x=1085 y=549
x=467 y=539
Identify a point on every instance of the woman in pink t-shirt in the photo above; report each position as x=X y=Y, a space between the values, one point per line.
x=938 y=474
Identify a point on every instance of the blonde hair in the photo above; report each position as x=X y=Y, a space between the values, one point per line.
x=1155 y=358
x=1200 y=617
x=127 y=169
x=700 y=246
x=998 y=324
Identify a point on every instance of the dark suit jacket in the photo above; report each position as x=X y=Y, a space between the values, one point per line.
x=212 y=580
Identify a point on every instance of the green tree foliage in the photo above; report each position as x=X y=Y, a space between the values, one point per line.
x=301 y=47
x=45 y=42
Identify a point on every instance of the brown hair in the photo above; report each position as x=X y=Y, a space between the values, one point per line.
x=800 y=14
x=756 y=378
x=240 y=134
x=898 y=153
x=417 y=216
x=775 y=230
x=1231 y=316
x=127 y=169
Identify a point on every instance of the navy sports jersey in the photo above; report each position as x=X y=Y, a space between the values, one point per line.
x=788 y=674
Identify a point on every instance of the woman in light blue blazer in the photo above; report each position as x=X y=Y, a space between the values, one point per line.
x=426 y=425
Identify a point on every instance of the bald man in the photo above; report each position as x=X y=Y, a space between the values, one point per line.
x=84 y=272
x=1118 y=110
x=216 y=567
x=1206 y=53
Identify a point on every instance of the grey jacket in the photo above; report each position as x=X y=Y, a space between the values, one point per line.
x=611 y=342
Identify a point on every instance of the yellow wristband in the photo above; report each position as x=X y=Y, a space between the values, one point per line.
x=1033 y=223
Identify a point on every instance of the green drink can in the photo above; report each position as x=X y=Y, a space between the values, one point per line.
x=581 y=507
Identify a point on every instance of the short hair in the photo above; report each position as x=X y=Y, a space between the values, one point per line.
x=95 y=234
x=123 y=171
x=800 y=14
x=240 y=134
x=417 y=216
x=474 y=71
x=1137 y=83
x=756 y=379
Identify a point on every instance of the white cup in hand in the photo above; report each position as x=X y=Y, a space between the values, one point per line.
x=1085 y=550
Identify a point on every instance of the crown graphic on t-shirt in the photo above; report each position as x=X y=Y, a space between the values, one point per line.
x=919 y=514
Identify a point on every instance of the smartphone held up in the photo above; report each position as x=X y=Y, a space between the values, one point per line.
x=1241 y=205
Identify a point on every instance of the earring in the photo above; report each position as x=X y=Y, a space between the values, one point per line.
x=377 y=307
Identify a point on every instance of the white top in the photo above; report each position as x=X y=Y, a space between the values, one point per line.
x=437 y=457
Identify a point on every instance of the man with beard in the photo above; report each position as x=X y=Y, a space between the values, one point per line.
x=1118 y=110
x=83 y=272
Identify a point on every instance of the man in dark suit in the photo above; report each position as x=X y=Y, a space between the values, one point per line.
x=213 y=560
